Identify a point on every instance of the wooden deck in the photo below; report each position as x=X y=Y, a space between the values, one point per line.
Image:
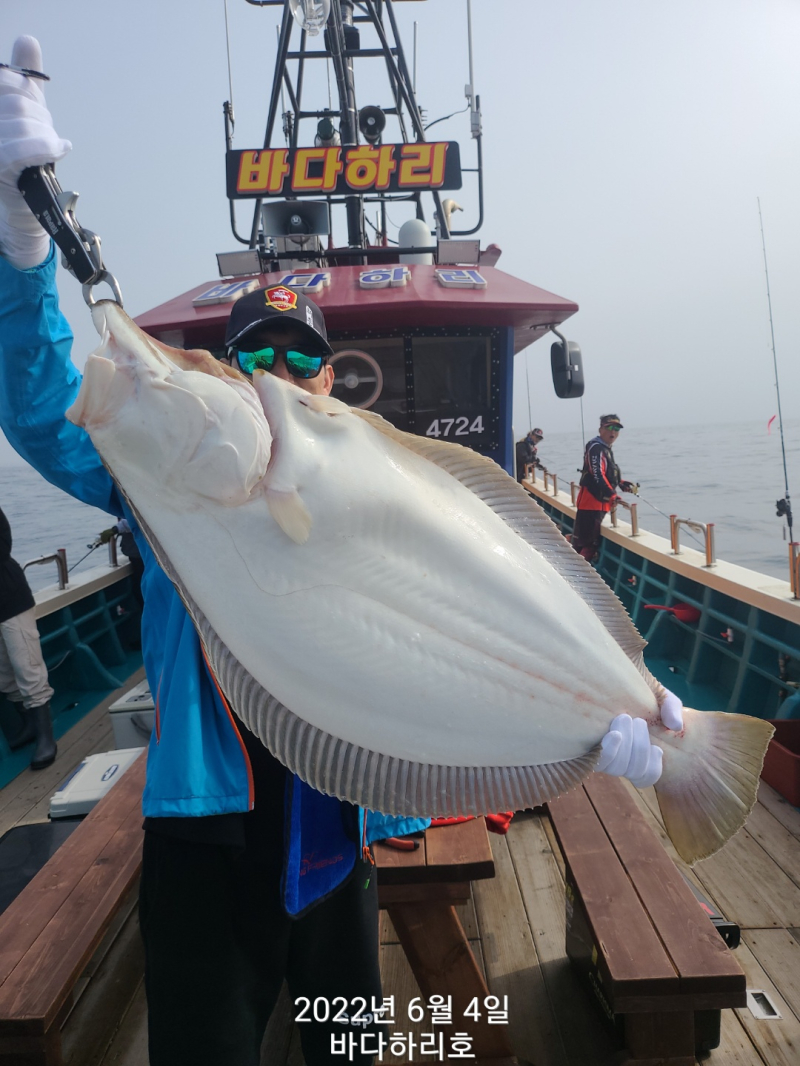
x=515 y=924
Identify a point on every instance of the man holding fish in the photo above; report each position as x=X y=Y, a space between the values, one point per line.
x=253 y=873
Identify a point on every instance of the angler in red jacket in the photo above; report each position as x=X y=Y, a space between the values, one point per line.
x=599 y=482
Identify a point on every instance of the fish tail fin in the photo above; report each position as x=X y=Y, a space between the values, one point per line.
x=709 y=783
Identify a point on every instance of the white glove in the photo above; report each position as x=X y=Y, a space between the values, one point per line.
x=626 y=748
x=27 y=139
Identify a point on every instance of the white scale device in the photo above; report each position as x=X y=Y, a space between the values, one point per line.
x=132 y=717
x=90 y=781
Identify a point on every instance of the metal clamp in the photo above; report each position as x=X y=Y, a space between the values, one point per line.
x=55 y=210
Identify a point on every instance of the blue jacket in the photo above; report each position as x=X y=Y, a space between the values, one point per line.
x=196 y=763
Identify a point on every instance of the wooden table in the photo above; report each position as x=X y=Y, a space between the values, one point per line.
x=420 y=890
x=636 y=933
x=53 y=927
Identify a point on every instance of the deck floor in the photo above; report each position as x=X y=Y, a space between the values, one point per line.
x=515 y=924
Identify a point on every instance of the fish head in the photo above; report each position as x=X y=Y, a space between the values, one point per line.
x=185 y=423
x=310 y=432
x=303 y=426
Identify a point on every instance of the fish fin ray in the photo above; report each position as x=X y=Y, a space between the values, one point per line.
x=709 y=784
x=291 y=514
x=499 y=491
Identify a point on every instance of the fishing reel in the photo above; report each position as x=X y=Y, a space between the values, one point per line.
x=783 y=509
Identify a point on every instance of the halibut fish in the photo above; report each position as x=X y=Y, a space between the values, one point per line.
x=394 y=617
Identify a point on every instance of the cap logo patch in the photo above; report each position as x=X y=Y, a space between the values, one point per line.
x=280 y=298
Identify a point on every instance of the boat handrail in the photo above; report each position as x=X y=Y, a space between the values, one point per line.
x=59 y=557
x=634 y=510
x=706 y=528
x=112 y=552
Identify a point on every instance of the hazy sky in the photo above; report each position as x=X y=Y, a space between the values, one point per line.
x=626 y=142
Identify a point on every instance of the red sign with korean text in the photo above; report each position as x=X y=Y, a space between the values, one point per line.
x=362 y=168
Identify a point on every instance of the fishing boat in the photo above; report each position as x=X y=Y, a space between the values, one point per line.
x=425 y=331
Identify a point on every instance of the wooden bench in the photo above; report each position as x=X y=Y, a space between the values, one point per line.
x=52 y=929
x=419 y=890
x=635 y=931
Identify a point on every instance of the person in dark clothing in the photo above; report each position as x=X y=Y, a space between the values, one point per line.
x=526 y=453
x=599 y=482
x=23 y=674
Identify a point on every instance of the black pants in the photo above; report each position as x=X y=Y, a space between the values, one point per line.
x=586 y=535
x=218 y=946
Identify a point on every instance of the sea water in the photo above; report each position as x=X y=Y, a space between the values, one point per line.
x=728 y=474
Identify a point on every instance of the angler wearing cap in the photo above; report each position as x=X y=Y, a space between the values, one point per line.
x=599 y=482
x=249 y=876
x=282 y=331
x=526 y=453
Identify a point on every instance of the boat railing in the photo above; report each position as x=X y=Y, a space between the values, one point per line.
x=706 y=528
x=634 y=510
x=59 y=557
x=549 y=477
x=112 y=552
x=794 y=568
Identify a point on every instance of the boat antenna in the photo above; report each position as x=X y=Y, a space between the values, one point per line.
x=228 y=47
x=784 y=506
x=414 y=78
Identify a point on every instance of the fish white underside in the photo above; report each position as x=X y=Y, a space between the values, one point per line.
x=394 y=616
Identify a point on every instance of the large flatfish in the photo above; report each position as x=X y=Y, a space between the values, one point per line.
x=394 y=617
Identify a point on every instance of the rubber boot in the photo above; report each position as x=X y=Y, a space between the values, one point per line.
x=26 y=732
x=45 y=751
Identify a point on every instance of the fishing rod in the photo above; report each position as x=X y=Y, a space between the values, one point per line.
x=783 y=507
x=528 y=383
x=91 y=548
x=688 y=531
x=639 y=496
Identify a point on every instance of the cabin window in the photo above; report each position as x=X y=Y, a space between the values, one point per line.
x=361 y=383
x=437 y=382
x=451 y=381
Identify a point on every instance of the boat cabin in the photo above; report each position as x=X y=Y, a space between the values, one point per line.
x=428 y=347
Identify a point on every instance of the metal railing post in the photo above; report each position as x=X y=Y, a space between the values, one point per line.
x=555 y=484
x=545 y=476
x=58 y=557
x=614 y=515
x=634 y=519
x=793 y=557
x=112 y=552
x=673 y=534
x=573 y=492
x=711 y=558
x=61 y=564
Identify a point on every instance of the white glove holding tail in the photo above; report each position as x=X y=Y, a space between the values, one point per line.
x=626 y=748
x=27 y=139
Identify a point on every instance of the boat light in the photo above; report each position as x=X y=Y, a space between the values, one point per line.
x=458 y=253
x=311 y=15
x=237 y=264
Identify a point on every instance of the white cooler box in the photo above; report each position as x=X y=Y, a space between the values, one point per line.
x=133 y=717
x=87 y=785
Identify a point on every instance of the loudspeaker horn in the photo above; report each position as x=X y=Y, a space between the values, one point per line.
x=291 y=218
x=371 y=122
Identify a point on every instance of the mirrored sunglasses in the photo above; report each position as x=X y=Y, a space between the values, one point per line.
x=299 y=364
x=612 y=425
